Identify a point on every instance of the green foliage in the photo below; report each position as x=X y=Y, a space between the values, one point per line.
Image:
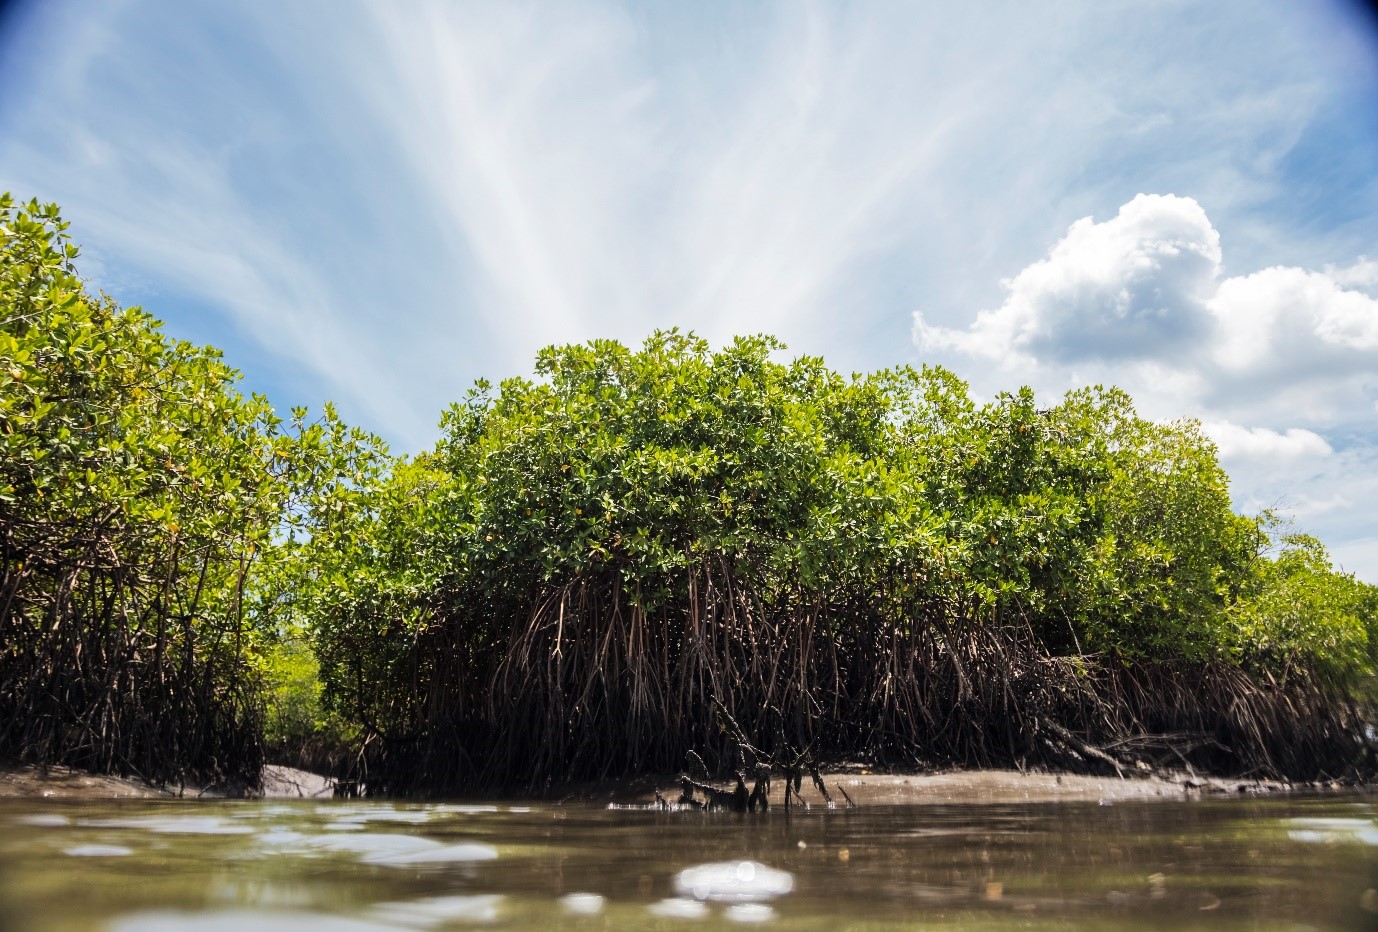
x=1296 y=612
x=297 y=728
x=891 y=495
x=140 y=496
x=292 y=697
x=168 y=547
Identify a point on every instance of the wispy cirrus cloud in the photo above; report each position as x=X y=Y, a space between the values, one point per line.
x=491 y=177
x=379 y=202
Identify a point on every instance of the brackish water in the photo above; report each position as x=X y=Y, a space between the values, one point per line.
x=1289 y=863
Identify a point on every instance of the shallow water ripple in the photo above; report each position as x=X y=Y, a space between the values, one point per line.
x=203 y=866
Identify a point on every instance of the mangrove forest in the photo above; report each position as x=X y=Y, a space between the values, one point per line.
x=631 y=559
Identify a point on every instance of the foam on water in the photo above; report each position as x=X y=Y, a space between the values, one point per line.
x=238 y=920
x=439 y=910
x=1333 y=830
x=43 y=820
x=407 y=816
x=444 y=854
x=98 y=851
x=750 y=913
x=679 y=907
x=733 y=882
x=582 y=904
x=366 y=845
x=465 y=809
x=175 y=825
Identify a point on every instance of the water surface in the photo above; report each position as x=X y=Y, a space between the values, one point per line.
x=1289 y=863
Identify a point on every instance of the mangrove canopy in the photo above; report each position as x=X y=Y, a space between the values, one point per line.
x=635 y=554
x=590 y=564
x=143 y=502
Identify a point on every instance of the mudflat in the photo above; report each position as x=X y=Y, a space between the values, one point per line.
x=57 y=782
x=959 y=786
x=1012 y=786
x=66 y=783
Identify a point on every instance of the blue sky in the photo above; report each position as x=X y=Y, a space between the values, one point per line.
x=378 y=202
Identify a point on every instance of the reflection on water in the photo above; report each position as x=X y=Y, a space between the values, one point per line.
x=161 y=865
x=733 y=882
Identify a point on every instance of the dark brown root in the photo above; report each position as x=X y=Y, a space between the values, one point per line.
x=590 y=685
x=106 y=664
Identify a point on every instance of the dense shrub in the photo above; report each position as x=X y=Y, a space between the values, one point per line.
x=875 y=565
x=592 y=566
x=140 y=498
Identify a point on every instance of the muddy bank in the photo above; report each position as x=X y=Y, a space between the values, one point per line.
x=26 y=780
x=965 y=786
x=290 y=783
x=66 y=783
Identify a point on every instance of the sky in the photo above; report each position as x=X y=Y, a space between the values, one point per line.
x=379 y=202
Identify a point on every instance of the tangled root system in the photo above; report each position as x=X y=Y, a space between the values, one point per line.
x=589 y=685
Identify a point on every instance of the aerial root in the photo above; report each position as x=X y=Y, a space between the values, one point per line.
x=593 y=686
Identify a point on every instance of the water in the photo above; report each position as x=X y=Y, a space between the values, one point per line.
x=1288 y=863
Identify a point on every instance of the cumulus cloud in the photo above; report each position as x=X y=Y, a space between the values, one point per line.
x=1363 y=274
x=1280 y=364
x=1143 y=298
x=378 y=204
x=1235 y=442
x=1288 y=321
x=1131 y=288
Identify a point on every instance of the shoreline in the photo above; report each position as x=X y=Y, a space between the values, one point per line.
x=27 y=781
x=961 y=787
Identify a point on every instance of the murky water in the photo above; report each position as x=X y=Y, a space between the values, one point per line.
x=165 y=865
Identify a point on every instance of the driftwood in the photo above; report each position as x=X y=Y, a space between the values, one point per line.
x=1079 y=746
x=750 y=759
x=737 y=799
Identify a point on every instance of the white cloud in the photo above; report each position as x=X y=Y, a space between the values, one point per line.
x=1143 y=298
x=1132 y=287
x=379 y=202
x=1362 y=274
x=1235 y=442
x=1281 y=364
x=1288 y=320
